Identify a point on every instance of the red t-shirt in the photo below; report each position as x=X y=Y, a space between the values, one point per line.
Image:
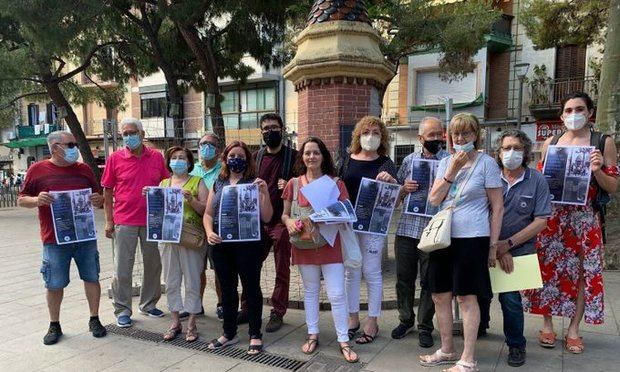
x=326 y=254
x=46 y=176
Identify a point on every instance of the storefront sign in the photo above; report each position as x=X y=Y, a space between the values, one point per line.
x=546 y=129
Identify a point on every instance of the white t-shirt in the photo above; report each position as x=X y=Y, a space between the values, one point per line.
x=470 y=218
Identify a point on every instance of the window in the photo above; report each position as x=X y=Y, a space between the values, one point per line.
x=153 y=107
x=430 y=89
x=570 y=62
x=401 y=152
x=33 y=114
x=242 y=107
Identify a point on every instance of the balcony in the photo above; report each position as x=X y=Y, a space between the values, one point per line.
x=500 y=37
x=545 y=101
x=34 y=131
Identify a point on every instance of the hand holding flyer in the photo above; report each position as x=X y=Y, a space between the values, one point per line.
x=423 y=172
x=239 y=214
x=567 y=170
x=164 y=218
x=73 y=216
x=374 y=206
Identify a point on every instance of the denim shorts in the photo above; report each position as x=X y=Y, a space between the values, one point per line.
x=57 y=260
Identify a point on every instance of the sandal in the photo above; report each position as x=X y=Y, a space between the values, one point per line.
x=353 y=331
x=215 y=344
x=255 y=349
x=574 y=345
x=312 y=343
x=192 y=334
x=462 y=366
x=365 y=338
x=438 y=358
x=546 y=339
x=346 y=352
x=172 y=333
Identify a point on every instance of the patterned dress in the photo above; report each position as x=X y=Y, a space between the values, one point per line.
x=571 y=244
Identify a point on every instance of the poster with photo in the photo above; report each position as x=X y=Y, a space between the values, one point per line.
x=239 y=214
x=374 y=206
x=73 y=216
x=567 y=170
x=164 y=208
x=423 y=171
x=339 y=212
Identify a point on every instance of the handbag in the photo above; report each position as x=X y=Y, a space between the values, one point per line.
x=192 y=236
x=309 y=237
x=437 y=234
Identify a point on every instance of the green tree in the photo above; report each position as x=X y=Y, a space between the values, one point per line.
x=44 y=46
x=581 y=22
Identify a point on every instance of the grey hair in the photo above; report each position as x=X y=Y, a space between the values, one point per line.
x=133 y=121
x=55 y=137
x=424 y=120
x=212 y=134
x=525 y=141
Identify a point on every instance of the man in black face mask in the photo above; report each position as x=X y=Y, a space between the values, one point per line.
x=275 y=162
x=407 y=238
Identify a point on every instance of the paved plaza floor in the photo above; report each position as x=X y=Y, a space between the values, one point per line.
x=24 y=320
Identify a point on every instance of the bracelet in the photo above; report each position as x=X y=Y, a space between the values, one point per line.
x=447 y=180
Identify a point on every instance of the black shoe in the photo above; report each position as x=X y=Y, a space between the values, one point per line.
x=242 y=317
x=516 y=357
x=401 y=331
x=53 y=334
x=425 y=339
x=274 y=323
x=96 y=328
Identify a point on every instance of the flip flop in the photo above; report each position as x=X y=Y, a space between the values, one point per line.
x=313 y=343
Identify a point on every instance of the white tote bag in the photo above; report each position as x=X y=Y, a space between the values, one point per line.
x=437 y=234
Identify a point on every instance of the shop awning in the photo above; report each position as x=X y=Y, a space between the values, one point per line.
x=26 y=142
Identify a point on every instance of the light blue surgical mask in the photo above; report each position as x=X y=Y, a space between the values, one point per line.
x=207 y=151
x=132 y=141
x=466 y=147
x=71 y=155
x=178 y=166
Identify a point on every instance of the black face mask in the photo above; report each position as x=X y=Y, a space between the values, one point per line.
x=272 y=138
x=433 y=146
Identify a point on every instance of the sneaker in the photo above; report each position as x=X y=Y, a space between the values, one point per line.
x=274 y=323
x=219 y=311
x=425 y=339
x=96 y=328
x=242 y=317
x=401 y=331
x=516 y=357
x=123 y=321
x=185 y=314
x=154 y=312
x=53 y=334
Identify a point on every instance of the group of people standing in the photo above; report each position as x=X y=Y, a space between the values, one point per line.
x=503 y=210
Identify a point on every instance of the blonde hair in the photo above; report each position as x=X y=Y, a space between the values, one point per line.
x=365 y=122
x=465 y=122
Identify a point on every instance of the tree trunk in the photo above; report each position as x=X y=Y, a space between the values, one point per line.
x=174 y=98
x=610 y=72
x=208 y=67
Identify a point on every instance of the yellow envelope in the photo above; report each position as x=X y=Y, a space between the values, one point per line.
x=526 y=275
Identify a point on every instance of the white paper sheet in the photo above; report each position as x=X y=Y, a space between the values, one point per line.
x=321 y=193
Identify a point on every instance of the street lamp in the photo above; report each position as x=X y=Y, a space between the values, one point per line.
x=521 y=71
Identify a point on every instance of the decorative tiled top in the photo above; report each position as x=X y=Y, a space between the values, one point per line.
x=334 y=10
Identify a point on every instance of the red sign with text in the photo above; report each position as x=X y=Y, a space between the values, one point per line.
x=548 y=128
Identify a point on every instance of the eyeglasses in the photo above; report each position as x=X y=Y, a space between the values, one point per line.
x=69 y=144
x=207 y=143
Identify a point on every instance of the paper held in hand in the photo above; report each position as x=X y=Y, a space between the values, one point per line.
x=526 y=275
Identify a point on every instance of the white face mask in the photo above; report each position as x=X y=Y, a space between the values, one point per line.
x=512 y=159
x=465 y=148
x=370 y=142
x=575 y=121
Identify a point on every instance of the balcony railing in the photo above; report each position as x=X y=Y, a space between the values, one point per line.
x=545 y=99
x=29 y=131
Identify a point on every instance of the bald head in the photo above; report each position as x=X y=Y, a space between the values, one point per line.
x=429 y=124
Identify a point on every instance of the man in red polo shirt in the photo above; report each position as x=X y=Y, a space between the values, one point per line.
x=63 y=173
x=126 y=173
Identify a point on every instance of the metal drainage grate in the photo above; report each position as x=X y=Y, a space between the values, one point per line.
x=265 y=358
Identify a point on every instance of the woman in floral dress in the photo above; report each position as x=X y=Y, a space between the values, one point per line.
x=570 y=249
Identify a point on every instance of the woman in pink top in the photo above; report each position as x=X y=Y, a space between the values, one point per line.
x=314 y=161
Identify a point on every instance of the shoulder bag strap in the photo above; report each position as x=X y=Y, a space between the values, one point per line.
x=469 y=173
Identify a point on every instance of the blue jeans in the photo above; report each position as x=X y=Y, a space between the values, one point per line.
x=512 y=310
x=57 y=259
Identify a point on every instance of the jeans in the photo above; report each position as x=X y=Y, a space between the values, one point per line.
x=57 y=259
x=372 y=247
x=333 y=277
x=234 y=261
x=512 y=310
x=408 y=256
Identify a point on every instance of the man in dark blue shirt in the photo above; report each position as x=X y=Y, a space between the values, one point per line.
x=527 y=205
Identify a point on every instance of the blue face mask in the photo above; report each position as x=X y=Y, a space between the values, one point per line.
x=207 y=151
x=466 y=147
x=178 y=166
x=237 y=165
x=71 y=155
x=132 y=141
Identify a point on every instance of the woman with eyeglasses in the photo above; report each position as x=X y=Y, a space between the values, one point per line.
x=461 y=269
x=237 y=260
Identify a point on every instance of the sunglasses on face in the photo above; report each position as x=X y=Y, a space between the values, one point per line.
x=69 y=145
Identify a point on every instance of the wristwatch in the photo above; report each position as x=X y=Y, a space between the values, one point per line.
x=510 y=244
